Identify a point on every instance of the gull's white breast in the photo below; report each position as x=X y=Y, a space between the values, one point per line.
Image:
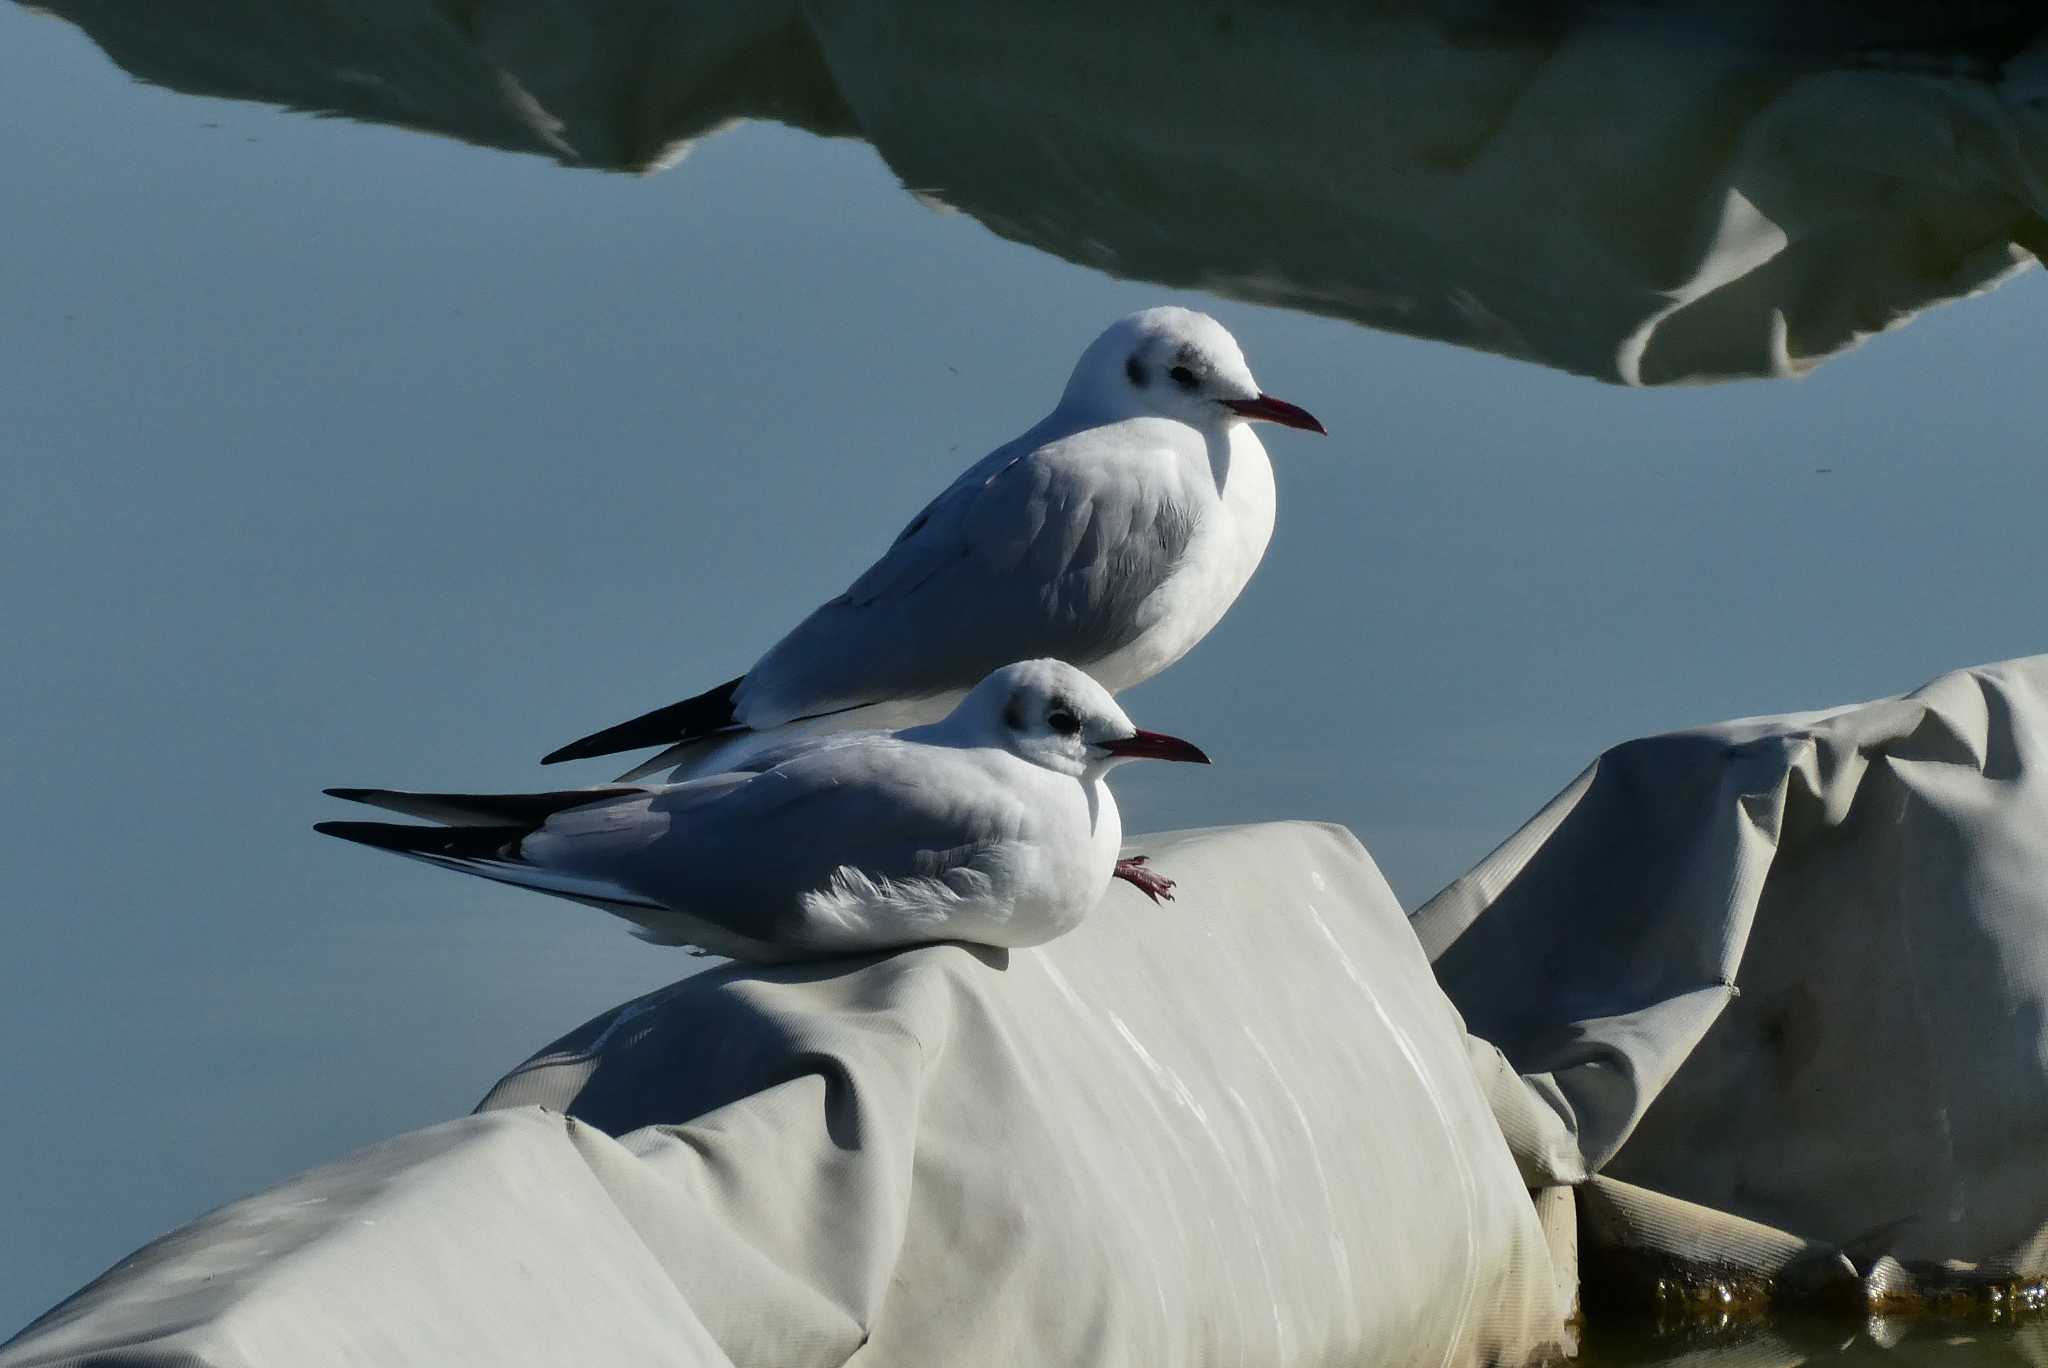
x=1231 y=510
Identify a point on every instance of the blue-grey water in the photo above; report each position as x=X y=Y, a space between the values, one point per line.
x=570 y=368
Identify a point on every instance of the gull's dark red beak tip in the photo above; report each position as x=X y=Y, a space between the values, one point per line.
x=1267 y=409
x=1147 y=745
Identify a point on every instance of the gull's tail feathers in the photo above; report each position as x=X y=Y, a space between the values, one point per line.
x=442 y=845
x=485 y=837
x=524 y=810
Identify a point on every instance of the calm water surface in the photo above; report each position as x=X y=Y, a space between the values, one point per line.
x=1880 y=1344
x=594 y=345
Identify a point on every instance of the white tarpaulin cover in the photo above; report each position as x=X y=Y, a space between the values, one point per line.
x=1782 y=983
x=1239 y=1128
x=1772 y=993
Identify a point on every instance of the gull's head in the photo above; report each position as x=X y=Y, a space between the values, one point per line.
x=1179 y=364
x=1055 y=716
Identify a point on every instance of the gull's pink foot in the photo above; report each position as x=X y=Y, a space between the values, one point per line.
x=1136 y=870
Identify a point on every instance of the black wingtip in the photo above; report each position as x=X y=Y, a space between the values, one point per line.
x=351 y=795
x=450 y=842
x=708 y=712
x=383 y=835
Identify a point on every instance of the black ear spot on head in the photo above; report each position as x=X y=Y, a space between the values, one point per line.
x=1135 y=369
x=1013 y=716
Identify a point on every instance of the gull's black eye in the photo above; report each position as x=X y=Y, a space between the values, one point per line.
x=1183 y=377
x=1063 y=722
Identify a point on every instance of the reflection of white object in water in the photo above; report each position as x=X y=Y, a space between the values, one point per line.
x=1114 y=534
x=1642 y=204
x=991 y=826
x=1588 y=191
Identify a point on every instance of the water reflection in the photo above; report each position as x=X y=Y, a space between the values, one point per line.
x=1629 y=196
x=1880 y=1343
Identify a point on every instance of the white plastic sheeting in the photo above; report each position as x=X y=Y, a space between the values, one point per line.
x=1239 y=1128
x=1783 y=984
x=1773 y=994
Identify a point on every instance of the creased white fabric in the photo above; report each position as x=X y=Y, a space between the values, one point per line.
x=1238 y=1128
x=1792 y=969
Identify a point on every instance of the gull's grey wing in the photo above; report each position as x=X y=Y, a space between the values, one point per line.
x=737 y=851
x=752 y=751
x=1040 y=550
x=775 y=697
x=780 y=749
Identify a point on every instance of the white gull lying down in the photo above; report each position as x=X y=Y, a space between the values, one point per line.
x=992 y=825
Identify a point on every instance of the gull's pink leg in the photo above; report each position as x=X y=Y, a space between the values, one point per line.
x=1157 y=887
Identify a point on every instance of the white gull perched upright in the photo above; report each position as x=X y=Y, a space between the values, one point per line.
x=992 y=825
x=1114 y=534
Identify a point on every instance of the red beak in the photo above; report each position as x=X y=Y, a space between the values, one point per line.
x=1146 y=745
x=1272 y=410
